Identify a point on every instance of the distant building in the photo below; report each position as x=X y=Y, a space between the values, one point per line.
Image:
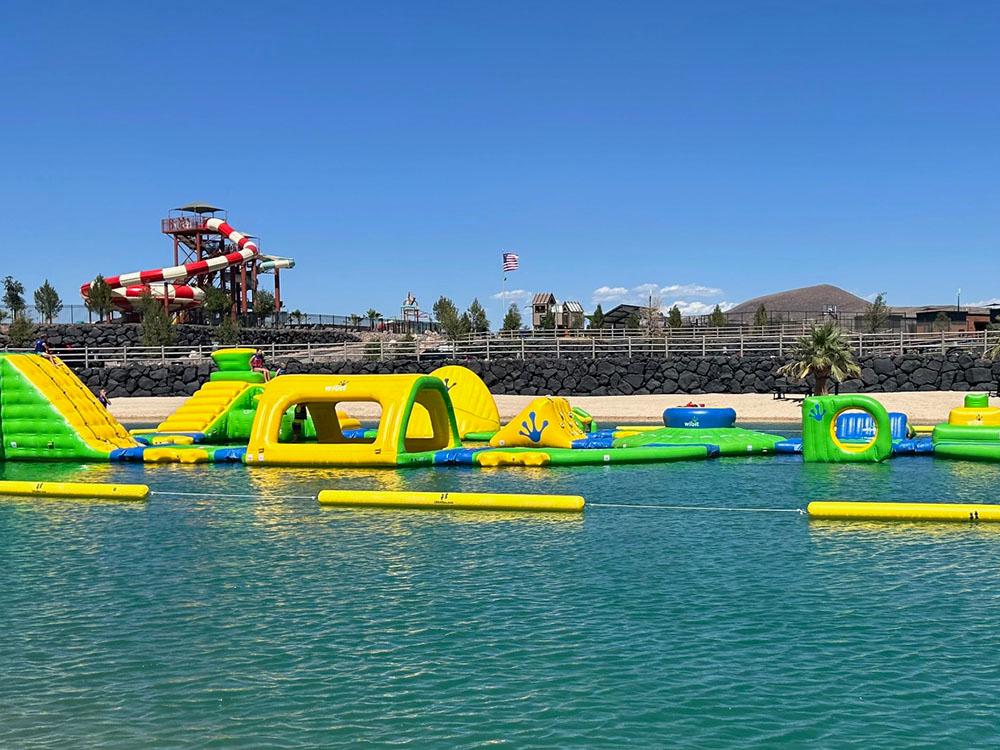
x=569 y=314
x=619 y=315
x=931 y=318
x=541 y=305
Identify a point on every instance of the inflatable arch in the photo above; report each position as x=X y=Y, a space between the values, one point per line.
x=821 y=442
x=400 y=398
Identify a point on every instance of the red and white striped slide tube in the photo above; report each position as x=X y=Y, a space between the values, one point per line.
x=159 y=282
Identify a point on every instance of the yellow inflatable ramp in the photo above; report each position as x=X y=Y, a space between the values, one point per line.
x=474 y=405
x=904 y=511
x=75 y=489
x=73 y=402
x=452 y=501
x=204 y=407
x=546 y=422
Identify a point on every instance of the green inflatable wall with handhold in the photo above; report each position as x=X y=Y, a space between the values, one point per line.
x=820 y=443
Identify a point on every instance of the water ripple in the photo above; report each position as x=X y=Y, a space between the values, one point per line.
x=234 y=622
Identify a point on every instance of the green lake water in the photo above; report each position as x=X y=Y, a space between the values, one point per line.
x=248 y=616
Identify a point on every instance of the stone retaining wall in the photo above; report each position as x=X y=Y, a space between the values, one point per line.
x=596 y=377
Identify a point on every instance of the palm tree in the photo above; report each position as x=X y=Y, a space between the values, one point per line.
x=372 y=316
x=993 y=353
x=824 y=353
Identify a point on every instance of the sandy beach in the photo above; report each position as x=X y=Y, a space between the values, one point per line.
x=925 y=407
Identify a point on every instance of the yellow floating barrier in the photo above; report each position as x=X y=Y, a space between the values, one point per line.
x=922 y=429
x=452 y=501
x=903 y=511
x=75 y=489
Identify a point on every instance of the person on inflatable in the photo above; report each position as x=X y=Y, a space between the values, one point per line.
x=257 y=365
x=42 y=349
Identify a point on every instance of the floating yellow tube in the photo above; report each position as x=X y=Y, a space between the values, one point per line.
x=75 y=489
x=453 y=500
x=922 y=429
x=903 y=511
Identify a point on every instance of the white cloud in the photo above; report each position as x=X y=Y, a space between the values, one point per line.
x=691 y=290
x=645 y=291
x=513 y=295
x=610 y=294
x=991 y=302
x=640 y=294
x=697 y=308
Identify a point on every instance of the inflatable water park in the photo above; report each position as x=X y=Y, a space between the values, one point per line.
x=442 y=419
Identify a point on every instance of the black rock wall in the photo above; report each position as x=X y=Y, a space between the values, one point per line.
x=595 y=377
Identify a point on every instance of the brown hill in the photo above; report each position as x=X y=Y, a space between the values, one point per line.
x=808 y=299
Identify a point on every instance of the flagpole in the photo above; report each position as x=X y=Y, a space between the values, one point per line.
x=503 y=291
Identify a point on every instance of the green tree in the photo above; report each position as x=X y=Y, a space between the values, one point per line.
x=263 y=304
x=674 y=319
x=512 y=320
x=824 y=353
x=942 y=322
x=718 y=318
x=47 y=301
x=21 y=331
x=3 y=315
x=13 y=296
x=548 y=321
x=372 y=316
x=217 y=302
x=355 y=319
x=478 y=322
x=157 y=330
x=632 y=320
x=452 y=325
x=296 y=315
x=597 y=317
x=760 y=318
x=100 y=300
x=876 y=317
x=227 y=332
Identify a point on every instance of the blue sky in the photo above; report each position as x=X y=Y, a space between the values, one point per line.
x=712 y=151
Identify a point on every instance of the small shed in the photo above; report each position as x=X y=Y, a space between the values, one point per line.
x=541 y=305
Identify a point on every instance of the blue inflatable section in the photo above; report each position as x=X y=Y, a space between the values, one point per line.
x=602 y=439
x=913 y=446
x=792 y=445
x=456 y=456
x=906 y=447
x=127 y=454
x=860 y=426
x=698 y=418
x=229 y=455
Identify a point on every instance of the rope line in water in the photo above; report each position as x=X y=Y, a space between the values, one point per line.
x=696 y=508
x=171 y=493
x=634 y=506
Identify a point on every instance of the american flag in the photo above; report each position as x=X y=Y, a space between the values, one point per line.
x=509 y=262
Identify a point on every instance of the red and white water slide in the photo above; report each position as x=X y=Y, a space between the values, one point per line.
x=161 y=283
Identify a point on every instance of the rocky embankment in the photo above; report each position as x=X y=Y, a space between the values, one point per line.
x=610 y=376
